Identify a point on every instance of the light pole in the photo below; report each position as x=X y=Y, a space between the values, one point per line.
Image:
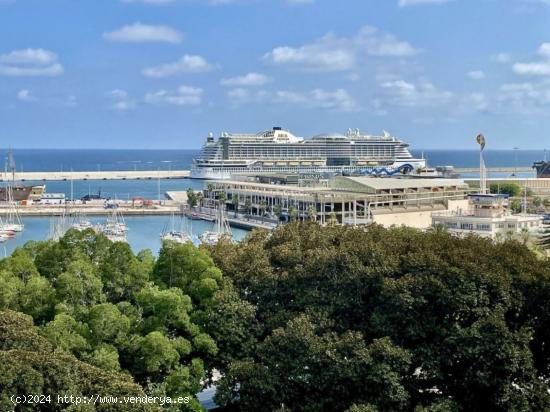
x=515 y=162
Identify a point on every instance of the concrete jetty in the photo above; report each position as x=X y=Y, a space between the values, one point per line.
x=99 y=175
x=521 y=169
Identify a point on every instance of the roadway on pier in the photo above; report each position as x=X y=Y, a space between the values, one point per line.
x=99 y=175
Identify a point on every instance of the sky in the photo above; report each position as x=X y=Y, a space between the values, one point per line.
x=165 y=73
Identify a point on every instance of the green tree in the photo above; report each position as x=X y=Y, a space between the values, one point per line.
x=30 y=365
x=189 y=268
x=121 y=272
x=511 y=189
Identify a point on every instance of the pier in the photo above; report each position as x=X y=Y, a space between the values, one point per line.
x=522 y=169
x=99 y=175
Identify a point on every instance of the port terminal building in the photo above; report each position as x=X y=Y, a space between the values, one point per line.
x=343 y=199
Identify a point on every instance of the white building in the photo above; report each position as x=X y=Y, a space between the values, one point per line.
x=488 y=215
x=52 y=199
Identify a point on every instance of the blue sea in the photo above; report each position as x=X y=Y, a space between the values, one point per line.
x=144 y=231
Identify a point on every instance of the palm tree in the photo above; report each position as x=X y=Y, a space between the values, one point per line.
x=222 y=197
x=293 y=212
x=235 y=203
x=524 y=234
x=199 y=198
x=278 y=210
x=263 y=208
x=312 y=213
x=191 y=198
x=248 y=206
x=209 y=190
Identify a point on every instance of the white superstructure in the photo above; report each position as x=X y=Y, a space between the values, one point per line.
x=279 y=150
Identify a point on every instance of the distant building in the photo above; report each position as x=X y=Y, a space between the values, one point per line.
x=52 y=199
x=488 y=215
x=20 y=193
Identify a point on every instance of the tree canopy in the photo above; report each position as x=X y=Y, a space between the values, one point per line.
x=305 y=318
x=386 y=319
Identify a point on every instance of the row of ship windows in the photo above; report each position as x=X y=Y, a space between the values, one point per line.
x=298 y=153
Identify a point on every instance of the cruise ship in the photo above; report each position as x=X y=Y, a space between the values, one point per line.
x=280 y=151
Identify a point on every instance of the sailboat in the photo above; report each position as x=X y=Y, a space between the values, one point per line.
x=179 y=235
x=81 y=222
x=5 y=234
x=58 y=226
x=221 y=229
x=115 y=228
x=13 y=220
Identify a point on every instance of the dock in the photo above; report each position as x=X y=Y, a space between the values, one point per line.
x=522 y=169
x=95 y=210
x=99 y=175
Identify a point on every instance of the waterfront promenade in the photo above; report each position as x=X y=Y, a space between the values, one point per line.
x=99 y=175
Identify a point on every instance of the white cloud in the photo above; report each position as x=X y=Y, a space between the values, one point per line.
x=332 y=53
x=324 y=55
x=26 y=96
x=122 y=100
x=534 y=69
x=186 y=64
x=538 y=68
x=476 y=75
x=502 y=57
x=405 y=3
x=144 y=33
x=250 y=79
x=423 y=94
x=30 y=62
x=331 y=100
x=118 y=94
x=476 y=102
x=240 y=95
x=184 y=95
x=525 y=96
x=377 y=43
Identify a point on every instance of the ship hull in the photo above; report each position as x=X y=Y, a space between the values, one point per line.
x=543 y=169
x=397 y=167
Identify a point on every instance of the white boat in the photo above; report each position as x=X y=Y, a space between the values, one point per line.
x=115 y=228
x=220 y=230
x=13 y=220
x=176 y=235
x=81 y=223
